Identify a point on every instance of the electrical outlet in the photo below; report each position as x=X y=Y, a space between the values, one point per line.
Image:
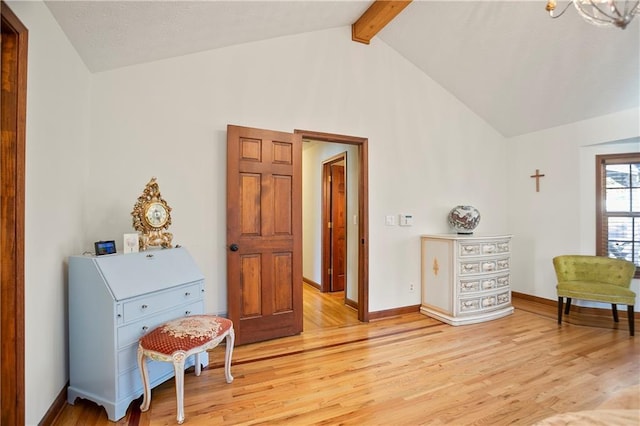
x=412 y=288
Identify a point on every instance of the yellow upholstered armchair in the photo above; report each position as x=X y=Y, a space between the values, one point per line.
x=595 y=278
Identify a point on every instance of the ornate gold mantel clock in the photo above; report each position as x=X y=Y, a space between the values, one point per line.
x=151 y=217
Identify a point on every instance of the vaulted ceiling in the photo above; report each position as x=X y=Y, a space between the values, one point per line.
x=510 y=63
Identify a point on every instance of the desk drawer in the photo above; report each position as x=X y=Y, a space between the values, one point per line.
x=148 y=305
x=130 y=333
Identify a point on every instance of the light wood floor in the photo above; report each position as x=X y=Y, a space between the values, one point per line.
x=405 y=370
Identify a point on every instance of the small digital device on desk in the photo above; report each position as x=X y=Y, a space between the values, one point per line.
x=105 y=247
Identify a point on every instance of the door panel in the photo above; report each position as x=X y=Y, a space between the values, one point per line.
x=264 y=233
x=339 y=227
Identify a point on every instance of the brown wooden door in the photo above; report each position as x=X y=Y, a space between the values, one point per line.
x=338 y=228
x=264 y=233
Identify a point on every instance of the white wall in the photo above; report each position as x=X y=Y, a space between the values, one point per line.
x=427 y=151
x=312 y=159
x=56 y=180
x=560 y=219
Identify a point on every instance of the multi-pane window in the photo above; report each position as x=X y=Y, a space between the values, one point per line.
x=618 y=207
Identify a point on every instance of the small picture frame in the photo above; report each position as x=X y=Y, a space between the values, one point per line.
x=131 y=243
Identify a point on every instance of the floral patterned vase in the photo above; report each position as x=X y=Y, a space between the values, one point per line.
x=464 y=219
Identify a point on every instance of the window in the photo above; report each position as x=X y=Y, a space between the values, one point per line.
x=618 y=207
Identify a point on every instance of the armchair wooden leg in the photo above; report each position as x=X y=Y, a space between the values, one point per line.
x=614 y=310
x=631 y=319
x=560 y=310
x=568 y=306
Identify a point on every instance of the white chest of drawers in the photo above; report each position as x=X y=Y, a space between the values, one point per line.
x=465 y=278
x=113 y=301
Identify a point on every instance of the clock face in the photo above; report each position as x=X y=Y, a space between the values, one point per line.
x=156 y=215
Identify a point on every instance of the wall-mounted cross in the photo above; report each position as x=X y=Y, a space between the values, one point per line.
x=537 y=176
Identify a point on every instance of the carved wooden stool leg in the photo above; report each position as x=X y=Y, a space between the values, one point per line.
x=178 y=368
x=197 y=366
x=142 y=366
x=231 y=338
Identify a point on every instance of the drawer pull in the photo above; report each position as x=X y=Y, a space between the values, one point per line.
x=119 y=315
x=488 y=266
x=145 y=328
x=149 y=255
x=187 y=294
x=187 y=313
x=144 y=306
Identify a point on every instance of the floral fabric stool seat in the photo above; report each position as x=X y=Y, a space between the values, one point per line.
x=178 y=339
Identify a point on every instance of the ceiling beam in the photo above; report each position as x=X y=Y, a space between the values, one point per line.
x=379 y=14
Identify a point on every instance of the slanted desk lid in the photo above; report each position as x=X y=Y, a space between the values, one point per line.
x=133 y=274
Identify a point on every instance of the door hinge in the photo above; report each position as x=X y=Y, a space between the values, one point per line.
x=330 y=225
x=330 y=271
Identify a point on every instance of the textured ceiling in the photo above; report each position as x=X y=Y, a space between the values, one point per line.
x=507 y=61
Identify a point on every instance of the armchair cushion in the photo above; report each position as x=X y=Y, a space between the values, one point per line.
x=596 y=291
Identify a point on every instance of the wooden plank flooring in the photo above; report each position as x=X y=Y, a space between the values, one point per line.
x=405 y=370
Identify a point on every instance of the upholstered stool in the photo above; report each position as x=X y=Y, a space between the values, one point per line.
x=178 y=339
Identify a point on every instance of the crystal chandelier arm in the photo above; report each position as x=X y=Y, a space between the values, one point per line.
x=614 y=8
x=551 y=6
x=633 y=10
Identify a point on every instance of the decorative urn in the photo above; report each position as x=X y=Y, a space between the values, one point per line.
x=464 y=219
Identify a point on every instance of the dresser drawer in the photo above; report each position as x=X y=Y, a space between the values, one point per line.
x=148 y=305
x=486 y=302
x=474 y=285
x=482 y=266
x=130 y=333
x=483 y=248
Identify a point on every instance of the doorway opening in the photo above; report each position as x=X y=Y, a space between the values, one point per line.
x=322 y=154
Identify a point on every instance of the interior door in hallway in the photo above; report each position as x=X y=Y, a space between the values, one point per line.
x=264 y=233
x=335 y=207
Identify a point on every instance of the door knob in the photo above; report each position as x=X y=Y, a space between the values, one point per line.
x=234 y=247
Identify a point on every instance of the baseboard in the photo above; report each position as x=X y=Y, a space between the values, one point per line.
x=351 y=303
x=579 y=315
x=393 y=312
x=56 y=408
x=312 y=283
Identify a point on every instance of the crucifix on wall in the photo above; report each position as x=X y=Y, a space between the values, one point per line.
x=537 y=176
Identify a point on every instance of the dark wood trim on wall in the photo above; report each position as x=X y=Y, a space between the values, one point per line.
x=393 y=312
x=311 y=283
x=12 y=195
x=56 y=408
x=579 y=315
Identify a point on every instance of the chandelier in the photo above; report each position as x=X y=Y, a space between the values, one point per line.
x=605 y=13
